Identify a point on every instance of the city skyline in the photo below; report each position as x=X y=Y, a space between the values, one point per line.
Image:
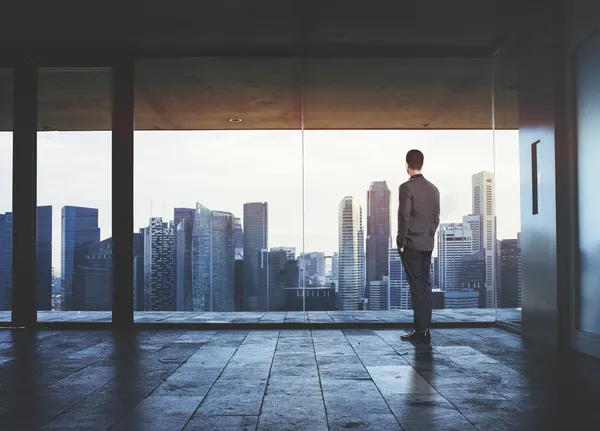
x=451 y=157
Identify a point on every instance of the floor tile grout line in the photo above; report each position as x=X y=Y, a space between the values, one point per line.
x=268 y=379
x=454 y=362
x=320 y=381
x=436 y=390
x=375 y=384
x=162 y=380
x=216 y=380
x=103 y=386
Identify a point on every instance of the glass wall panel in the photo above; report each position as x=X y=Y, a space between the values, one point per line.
x=361 y=117
x=508 y=280
x=6 y=170
x=74 y=252
x=218 y=189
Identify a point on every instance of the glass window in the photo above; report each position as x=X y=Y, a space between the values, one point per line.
x=218 y=186
x=74 y=247
x=6 y=161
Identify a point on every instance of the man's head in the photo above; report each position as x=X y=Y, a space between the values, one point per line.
x=414 y=162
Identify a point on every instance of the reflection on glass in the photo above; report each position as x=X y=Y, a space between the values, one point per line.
x=74 y=245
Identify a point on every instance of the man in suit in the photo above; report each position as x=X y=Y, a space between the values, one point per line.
x=418 y=220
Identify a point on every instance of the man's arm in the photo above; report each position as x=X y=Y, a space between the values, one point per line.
x=436 y=214
x=404 y=208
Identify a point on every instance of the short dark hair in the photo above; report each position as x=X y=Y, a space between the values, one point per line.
x=414 y=160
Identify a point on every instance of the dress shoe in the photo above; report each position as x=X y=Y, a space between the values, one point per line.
x=417 y=336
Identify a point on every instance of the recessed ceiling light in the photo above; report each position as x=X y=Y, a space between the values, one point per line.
x=235 y=120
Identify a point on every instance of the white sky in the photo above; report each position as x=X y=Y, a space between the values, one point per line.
x=225 y=169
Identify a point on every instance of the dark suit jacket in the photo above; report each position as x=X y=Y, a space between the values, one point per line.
x=418 y=214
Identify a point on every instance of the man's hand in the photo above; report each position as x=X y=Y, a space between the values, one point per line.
x=400 y=250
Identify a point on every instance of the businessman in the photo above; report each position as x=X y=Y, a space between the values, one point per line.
x=418 y=220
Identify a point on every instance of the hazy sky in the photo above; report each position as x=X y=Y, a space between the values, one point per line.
x=224 y=169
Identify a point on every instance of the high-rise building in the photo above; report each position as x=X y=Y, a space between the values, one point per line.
x=180 y=215
x=283 y=274
x=378 y=300
x=79 y=231
x=159 y=266
x=378 y=231
x=239 y=238
x=289 y=251
x=138 y=270
x=398 y=289
x=483 y=205
x=335 y=266
x=96 y=294
x=312 y=268
x=455 y=240
x=351 y=251
x=510 y=273
x=183 y=265
x=44 y=258
x=213 y=260
x=5 y=262
x=255 y=244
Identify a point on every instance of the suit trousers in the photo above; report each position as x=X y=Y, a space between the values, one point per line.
x=417 y=267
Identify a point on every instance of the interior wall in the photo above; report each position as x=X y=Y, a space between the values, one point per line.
x=582 y=65
x=537 y=110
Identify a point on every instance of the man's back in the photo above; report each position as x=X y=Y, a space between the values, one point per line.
x=418 y=214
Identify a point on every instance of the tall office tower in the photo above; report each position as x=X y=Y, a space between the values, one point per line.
x=179 y=215
x=483 y=205
x=289 y=251
x=282 y=273
x=159 y=265
x=44 y=258
x=213 y=260
x=312 y=268
x=239 y=238
x=183 y=265
x=378 y=301
x=362 y=265
x=510 y=274
x=98 y=277
x=335 y=266
x=455 y=240
x=378 y=231
x=398 y=289
x=255 y=243
x=351 y=250
x=138 y=270
x=5 y=262
x=79 y=231
x=520 y=303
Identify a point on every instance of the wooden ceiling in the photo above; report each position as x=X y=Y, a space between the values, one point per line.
x=204 y=94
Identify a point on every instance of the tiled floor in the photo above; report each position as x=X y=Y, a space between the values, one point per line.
x=484 y=379
x=319 y=317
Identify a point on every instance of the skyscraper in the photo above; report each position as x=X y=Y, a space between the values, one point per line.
x=159 y=265
x=5 y=262
x=79 y=231
x=239 y=238
x=398 y=289
x=312 y=267
x=181 y=215
x=255 y=242
x=183 y=265
x=378 y=231
x=138 y=270
x=483 y=205
x=351 y=251
x=335 y=268
x=510 y=269
x=213 y=260
x=455 y=240
x=44 y=258
x=97 y=289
